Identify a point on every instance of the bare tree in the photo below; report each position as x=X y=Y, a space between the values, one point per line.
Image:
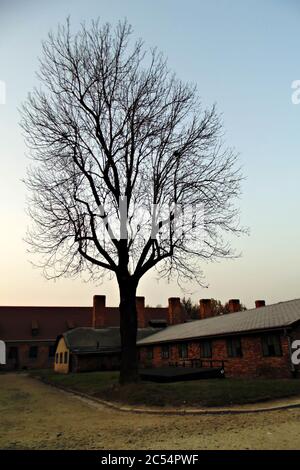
x=118 y=145
x=217 y=308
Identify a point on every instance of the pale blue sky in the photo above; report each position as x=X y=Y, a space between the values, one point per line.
x=243 y=55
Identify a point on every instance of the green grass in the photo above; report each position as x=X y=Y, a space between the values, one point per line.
x=196 y=393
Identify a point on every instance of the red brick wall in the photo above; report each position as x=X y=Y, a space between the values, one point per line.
x=91 y=363
x=252 y=364
x=24 y=361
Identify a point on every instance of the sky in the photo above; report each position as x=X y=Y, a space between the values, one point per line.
x=243 y=56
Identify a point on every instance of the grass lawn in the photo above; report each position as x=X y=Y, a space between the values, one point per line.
x=215 y=392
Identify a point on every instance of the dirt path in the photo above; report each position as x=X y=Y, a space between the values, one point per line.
x=36 y=416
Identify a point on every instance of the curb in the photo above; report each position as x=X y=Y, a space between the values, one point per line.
x=170 y=412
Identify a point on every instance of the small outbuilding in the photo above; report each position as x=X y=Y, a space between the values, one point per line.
x=89 y=349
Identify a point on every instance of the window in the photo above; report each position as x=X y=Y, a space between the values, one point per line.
x=205 y=349
x=13 y=353
x=33 y=352
x=34 y=328
x=61 y=358
x=51 y=352
x=165 y=351
x=234 y=347
x=66 y=357
x=149 y=353
x=271 y=345
x=56 y=358
x=183 y=350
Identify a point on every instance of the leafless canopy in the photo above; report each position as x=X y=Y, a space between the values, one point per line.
x=109 y=127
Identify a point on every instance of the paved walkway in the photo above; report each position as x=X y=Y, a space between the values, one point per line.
x=36 y=416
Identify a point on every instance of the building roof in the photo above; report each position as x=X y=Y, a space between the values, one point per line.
x=83 y=340
x=151 y=313
x=17 y=322
x=280 y=315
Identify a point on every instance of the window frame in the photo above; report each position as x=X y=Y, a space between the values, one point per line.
x=231 y=347
x=149 y=353
x=202 y=349
x=32 y=355
x=181 y=347
x=264 y=345
x=51 y=351
x=165 y=351
x=11 y=355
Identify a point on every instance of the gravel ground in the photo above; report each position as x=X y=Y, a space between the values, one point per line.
x=36 y=416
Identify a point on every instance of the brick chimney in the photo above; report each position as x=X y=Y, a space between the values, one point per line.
x=140 y=308
x=98 y=319
x=175 y=311
x=234 y=305
x=260 y=303
x=205 y=309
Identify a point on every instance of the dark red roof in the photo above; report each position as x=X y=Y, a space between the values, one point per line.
x=41 y=323
x=16 y=322
x=151 y=313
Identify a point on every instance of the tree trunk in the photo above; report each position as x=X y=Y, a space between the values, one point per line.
x=128 y=330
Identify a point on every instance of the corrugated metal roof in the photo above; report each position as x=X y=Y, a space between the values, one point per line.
x=274 y=316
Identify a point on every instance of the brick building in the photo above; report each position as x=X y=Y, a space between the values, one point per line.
x=251 y=343
x=30 y=333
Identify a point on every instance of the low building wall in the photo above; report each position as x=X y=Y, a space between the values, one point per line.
x=18 y=355
x=252 y=364
x=85 y=363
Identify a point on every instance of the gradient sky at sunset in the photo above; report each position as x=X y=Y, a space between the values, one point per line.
x=244 y=56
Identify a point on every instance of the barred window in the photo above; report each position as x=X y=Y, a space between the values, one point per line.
x=206 y=348
x=33 y=352
x=271 y=345
x=149 y=353
x=165 y=353
x=183 y=350
x=234 y=347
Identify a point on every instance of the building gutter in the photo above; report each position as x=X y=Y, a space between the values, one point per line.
x=29 y=340
x=222 y=335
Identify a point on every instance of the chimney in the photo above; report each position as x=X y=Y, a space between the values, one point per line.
x=234 y=305
x=98 y=319
x=260 y=303
x=140 y=308
x=175 y=311
x=205 y=309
